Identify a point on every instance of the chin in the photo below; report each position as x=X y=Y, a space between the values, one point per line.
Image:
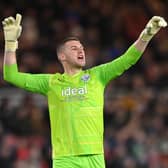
x=81 y=65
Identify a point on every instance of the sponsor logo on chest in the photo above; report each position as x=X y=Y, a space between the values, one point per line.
x=74 y=91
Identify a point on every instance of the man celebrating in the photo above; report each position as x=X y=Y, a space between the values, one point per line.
x=75 y=98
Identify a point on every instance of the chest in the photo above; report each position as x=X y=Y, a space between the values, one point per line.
x=81 y=88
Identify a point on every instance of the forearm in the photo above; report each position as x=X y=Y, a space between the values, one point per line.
x=10 y=69
x=140 y=45
x=9 y=57
x=9 y=60
x=152 y=27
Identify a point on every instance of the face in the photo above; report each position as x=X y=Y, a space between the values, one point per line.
x=73 y=54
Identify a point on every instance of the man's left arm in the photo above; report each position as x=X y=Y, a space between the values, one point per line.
x=152 y=27
x=111 y=70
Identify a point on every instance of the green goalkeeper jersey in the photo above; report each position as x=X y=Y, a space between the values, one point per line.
x=75 y=102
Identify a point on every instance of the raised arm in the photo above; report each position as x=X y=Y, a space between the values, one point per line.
x=35 y=83
x=12 y=31
x=116 y=67
x=152 y=27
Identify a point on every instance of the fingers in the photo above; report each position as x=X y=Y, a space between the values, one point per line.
x=162 y=23
x=159 y=21
x=18 y=19
x=156 y=18
x=10 y=20
x=3 y=23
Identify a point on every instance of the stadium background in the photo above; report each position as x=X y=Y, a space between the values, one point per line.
x=135 y=112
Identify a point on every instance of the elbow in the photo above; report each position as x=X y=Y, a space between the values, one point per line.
x=10 y=73
x=7 y=77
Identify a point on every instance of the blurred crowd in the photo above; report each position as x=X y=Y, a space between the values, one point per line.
x=135 y=111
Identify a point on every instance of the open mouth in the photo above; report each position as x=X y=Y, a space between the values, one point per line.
x=80 y=57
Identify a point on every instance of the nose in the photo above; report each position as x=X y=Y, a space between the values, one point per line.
x=80 y=50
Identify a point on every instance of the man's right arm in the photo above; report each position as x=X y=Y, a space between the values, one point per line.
x=35 y=83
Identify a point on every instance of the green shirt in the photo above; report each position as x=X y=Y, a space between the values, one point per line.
x=75 y=102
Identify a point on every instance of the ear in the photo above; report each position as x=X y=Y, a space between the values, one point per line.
x=61 y=56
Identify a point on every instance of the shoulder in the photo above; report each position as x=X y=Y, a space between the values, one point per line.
x=96 y=69
x=55 y=77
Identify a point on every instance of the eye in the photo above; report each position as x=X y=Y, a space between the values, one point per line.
x=74 y=48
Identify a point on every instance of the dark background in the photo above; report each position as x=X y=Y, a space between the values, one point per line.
x=135 y=112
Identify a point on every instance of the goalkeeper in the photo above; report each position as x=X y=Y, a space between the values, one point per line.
x=75 y=98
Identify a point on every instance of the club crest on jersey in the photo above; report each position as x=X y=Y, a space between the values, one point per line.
x=85 y=77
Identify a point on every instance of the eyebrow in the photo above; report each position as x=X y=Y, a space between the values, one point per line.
x=77 y=46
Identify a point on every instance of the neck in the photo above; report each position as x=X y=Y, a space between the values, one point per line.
x=71 y=70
